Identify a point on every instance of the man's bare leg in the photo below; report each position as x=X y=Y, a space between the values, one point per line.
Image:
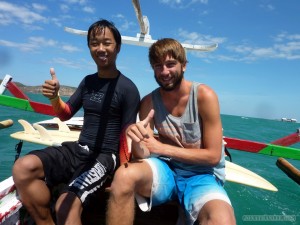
x=28 y=176
x=216 y=212
x=68 y=209
x=136 y=177
x=120 y=209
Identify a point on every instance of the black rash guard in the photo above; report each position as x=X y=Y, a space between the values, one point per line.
x=109 y=106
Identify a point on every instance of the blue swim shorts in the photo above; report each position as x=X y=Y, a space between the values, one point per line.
x=192 y=192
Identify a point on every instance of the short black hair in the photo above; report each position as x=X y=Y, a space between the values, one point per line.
x=101 y=24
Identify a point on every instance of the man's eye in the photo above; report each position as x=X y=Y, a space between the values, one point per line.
x=93 y=44
x=107 y=43
x=157 y=66
x=170 y=65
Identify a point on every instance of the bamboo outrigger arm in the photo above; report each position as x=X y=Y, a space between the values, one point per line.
x=144 y=38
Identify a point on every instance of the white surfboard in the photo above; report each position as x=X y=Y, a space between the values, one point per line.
x=238 y=174
x=39 y=135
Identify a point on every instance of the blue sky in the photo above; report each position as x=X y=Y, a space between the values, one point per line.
x=255 y=70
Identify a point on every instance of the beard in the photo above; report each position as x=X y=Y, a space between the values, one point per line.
x=170 y=87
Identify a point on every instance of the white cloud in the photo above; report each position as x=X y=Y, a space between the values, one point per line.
x=66 y=62
x=65 y=8
x=39 y=7
x=182 y=3
x=70 y=48
x=80 y=2
x=33 y=44
x=57 y=22
x=125 y=24
x=25 y=47
x=268 y=7
x=82 y=6
x=285 y=46
x=263 y=52
x=288 y=51
x=120 y=16
x=88 y=9
x=197 y=38
x=41 y=41
x=10 y=13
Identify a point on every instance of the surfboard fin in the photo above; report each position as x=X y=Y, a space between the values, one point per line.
x=44 y=134
x=63 y=127
x=28 y=128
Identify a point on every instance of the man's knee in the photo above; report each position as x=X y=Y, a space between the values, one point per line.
x=217 y=212
x=124 y=180
x=27 y=168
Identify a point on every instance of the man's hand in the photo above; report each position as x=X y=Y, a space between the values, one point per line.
x=51 y=87
x=137 y=132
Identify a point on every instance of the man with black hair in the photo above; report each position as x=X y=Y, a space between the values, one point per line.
x=110 y=102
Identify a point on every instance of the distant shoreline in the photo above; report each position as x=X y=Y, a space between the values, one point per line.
x=63 y=91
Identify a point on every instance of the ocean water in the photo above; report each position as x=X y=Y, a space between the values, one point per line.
x=251 y=205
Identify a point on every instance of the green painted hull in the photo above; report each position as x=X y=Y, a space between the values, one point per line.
x=15 y=103
x=281 y=151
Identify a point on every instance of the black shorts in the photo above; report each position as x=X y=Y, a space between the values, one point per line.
x=72 y=164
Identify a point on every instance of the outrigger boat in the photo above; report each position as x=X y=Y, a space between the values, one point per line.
x=20 y=100
x=11 y=207
x=279 y=147
x=12 y=212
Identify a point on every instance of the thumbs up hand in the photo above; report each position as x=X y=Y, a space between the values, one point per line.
x=52 y=73
x=51 y=87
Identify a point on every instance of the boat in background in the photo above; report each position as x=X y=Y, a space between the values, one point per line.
x=288 y=120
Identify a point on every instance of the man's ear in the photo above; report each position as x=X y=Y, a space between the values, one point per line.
x=183 y=67
x=118 y=48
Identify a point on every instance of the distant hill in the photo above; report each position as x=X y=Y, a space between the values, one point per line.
x=63 y=91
